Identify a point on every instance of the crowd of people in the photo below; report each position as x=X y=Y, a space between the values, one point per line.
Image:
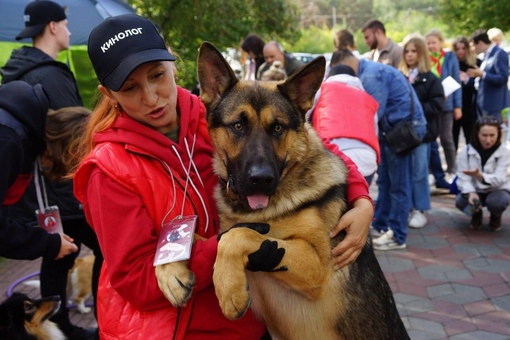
x=476 y=64
x=142 y=158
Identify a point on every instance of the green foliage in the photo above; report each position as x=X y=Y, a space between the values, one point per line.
x=313 y=40
x=225 y=23
x=464 y=17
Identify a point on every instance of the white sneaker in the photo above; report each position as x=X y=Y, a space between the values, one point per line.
x=387 y=242
x=417 y=219
x=375 y=233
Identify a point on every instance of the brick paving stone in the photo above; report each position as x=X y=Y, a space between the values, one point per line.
x=459 y=326
x=479 y=307
x=497 y=290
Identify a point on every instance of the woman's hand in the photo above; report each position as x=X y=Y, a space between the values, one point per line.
x=457 y=113
x=476 y=173
x=473 y=196
x=356 y=223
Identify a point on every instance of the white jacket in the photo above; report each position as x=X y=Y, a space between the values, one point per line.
x=494 y=172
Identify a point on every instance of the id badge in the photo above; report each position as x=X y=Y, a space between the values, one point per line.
x=176 y=240
x=49 y=220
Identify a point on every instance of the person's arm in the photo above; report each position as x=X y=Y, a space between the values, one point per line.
x=356 y=221
x=128 y=239
x=457 y=95
x=20 y=241
x=499 y=176
x=500 y=74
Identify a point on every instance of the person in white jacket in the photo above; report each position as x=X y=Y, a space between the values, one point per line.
x=482 y=174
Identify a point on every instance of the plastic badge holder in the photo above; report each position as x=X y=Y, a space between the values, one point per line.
x=176 y=240
x=49 y=220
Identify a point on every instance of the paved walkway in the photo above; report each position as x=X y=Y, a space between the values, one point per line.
x=450 y=283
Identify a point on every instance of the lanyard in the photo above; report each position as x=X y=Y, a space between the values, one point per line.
x=38 y=185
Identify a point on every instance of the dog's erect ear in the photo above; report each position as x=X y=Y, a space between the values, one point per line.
x=301 y=87
x=214 y=75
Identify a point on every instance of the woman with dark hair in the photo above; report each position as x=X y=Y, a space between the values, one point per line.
x=467 y=59
x=253 y=45
x=482 y=174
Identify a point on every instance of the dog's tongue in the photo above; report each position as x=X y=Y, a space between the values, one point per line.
x=258 y=201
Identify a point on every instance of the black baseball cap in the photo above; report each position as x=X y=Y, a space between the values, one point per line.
x=120 y=44
x=38 y=14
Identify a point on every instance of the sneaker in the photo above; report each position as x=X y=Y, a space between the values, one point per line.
x=387 y=242
x=375 y=233
x=443 y=185
x=476 y=220
x=417 y=219
x=495 y=223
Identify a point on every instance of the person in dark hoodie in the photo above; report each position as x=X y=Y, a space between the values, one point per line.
x=23 y=111
x=46 y=24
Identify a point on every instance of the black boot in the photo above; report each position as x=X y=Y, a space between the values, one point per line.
x=495 y=222
x=476 y=220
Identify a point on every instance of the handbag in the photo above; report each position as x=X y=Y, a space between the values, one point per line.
x=402 y=139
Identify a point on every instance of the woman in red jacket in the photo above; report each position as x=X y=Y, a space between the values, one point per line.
x=149 y=160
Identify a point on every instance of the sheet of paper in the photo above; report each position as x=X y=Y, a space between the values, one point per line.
x=450 y=85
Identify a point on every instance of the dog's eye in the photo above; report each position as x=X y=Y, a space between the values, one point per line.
x=278 y=128
x=238 y=127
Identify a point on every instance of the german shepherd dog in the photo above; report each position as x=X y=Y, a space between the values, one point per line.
x=24 y=318
x=282 y=193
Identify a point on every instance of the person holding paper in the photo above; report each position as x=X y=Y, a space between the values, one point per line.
x=444 y=65
x=492 y=76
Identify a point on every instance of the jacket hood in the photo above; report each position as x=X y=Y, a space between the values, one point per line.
x=29 y=105
x=22 y=61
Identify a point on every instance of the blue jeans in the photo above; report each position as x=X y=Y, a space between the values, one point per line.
x=420 y=170
x=495 y=201
x=394 y=201
x=435 y=163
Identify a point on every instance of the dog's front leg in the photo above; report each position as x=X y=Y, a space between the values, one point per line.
x=240 y=249
x=176 y=282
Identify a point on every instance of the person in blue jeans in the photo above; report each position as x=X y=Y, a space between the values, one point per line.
x=415 y=65
x=390 y=88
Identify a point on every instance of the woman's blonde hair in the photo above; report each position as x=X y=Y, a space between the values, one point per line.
x=423 y=57
x=64 y=130
x=435 y=33
x=470 y=55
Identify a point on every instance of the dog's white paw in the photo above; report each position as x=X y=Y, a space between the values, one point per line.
x=82 y=308
x=176 y=282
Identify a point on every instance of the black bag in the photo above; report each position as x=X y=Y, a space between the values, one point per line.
x=402 y=139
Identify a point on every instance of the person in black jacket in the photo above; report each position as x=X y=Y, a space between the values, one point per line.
x=467 y=60
x=415 y=65
x=23 y=112
x=46 y=24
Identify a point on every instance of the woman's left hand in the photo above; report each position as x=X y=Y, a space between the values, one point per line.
x=356 y=222
x=457 y=113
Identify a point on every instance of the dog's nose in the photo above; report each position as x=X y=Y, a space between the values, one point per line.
x=261 y=178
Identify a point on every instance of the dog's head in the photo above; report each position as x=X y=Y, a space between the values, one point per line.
x=23 y=318
x=257 y=128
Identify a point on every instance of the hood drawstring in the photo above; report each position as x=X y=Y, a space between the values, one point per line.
x=188 y=177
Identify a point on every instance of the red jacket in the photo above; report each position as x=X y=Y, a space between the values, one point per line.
x=346 y=112
x=126 y=192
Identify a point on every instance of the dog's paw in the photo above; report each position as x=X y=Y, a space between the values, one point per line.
x=176 y=282
x=83 y=309
x=231 y=289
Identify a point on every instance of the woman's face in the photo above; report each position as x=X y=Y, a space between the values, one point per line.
x=149 y=95
x=411 y=55
x=434 y=44
x=488 y=136
x=460 y=51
